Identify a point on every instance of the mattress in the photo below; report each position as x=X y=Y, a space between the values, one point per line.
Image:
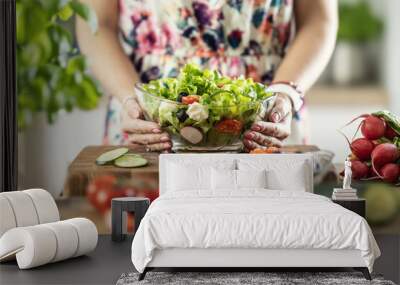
x=250 y=219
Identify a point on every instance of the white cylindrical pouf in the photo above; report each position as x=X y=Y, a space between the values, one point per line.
x=23 y=208
x=45 y=205
x=87 y=234
x=67 y=240
x=34 y=246
x=7 y=218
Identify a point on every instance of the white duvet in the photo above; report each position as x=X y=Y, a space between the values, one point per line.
x=250 y=219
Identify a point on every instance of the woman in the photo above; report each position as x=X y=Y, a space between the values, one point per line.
x=268 y=40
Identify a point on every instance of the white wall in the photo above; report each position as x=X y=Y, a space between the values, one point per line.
x=47 y=150
x=392 y=54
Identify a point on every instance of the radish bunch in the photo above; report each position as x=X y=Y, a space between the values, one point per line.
x=376 y=155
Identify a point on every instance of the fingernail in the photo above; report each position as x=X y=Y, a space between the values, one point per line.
x=256 y=128
x=164 y=139
x=249 y=136
x=156 y=131
x=276 y=117
x=168 y=145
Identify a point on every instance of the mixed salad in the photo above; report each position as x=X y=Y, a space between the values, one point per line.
x=203 y=106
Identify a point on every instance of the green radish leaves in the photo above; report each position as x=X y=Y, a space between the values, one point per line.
x=390 y=118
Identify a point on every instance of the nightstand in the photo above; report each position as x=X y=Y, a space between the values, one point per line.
x=357 y=205
x=136 y=205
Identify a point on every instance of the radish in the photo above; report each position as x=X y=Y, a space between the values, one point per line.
x=372 y=173
x=390 y=133
x=191 y=134
x=362 y=148
x=373 y=127
x=390 y=172
x=383 y=154
x=359 y=169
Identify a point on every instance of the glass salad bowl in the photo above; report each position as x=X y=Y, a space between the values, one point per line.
x=196 y=127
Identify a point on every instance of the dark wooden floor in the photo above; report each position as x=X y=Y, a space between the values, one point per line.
x=103 y=266
x=110 y=260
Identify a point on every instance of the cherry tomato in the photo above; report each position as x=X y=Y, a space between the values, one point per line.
x=229 y=126
x=190 y=99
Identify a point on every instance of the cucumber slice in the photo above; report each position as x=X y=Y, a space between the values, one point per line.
x=111 y=155
x=130 y=160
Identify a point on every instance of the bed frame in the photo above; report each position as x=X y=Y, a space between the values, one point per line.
x=245 y=258
x=242 y=259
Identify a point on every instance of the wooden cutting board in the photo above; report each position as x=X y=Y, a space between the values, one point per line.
x=83 y=168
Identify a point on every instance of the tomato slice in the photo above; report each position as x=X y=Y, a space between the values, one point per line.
x=229 y=126
x=267 y=150
x=190 y=99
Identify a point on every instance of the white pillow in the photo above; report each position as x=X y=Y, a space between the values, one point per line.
x=279 y=180
x=251 y=178
x=282 y=173
x=223 y=179
x=186 y=176
x=226 y=179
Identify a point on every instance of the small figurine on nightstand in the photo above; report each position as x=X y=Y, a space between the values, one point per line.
x=346 y=192
x=347 y=175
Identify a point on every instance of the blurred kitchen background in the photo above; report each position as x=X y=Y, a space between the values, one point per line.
x=362 y=77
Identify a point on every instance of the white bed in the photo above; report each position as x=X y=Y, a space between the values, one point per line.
x=247 y=227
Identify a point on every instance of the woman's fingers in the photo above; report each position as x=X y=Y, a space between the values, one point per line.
x=141 y=132
x=138 y=126
x=282 y=107
x=250 y=145
x=159 y=146
x=278 y=130
x=147 y=139
x=132 y=108
x=265 y=134
x=262 y=139
x=131 y=121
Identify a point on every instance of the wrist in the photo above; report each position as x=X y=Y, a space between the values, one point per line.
x=286 y=99
x=126 y=99
x=291 y=91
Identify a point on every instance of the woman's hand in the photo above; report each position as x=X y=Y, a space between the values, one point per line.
x=274 y=130
x=140 y=131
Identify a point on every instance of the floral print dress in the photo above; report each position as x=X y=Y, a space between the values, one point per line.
x=237 y=37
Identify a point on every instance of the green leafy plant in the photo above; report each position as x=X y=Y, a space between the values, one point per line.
x=357 y=24
x=51 y=74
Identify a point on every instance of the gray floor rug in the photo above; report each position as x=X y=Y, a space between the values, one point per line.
x=243 y=278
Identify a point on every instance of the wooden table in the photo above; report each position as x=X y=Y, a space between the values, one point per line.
x=83 y=168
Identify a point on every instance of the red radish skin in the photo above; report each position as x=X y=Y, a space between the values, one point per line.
x=390 y=133
x=373 y=127
x=372 y=173
x=383 y=154
x=359 y=169
x=390 y=172
x=362 y=148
